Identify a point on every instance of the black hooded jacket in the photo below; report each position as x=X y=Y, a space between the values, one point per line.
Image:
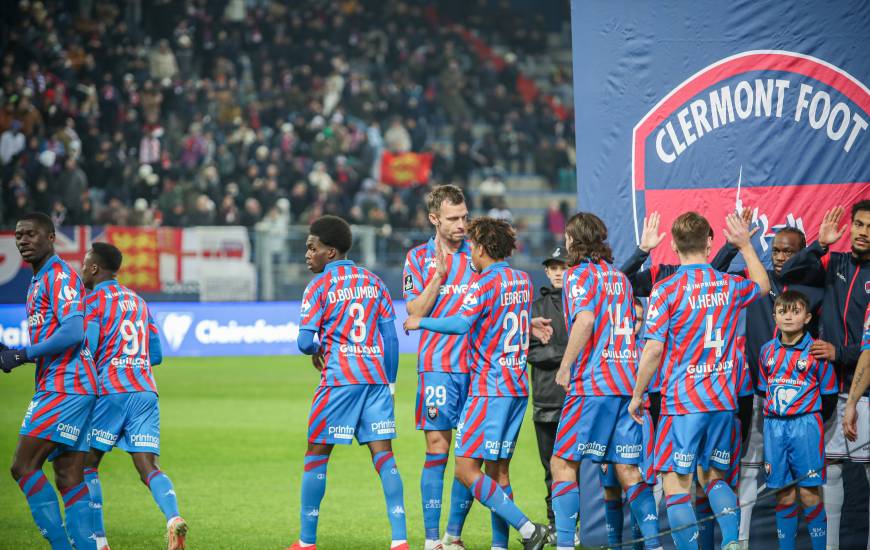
x=545 y=359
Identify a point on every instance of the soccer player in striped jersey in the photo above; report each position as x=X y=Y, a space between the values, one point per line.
x=495 y=314
x=598 y=371
x=125 y=345
x=350 y=310
x=800 y=395
x=860 y=384
x=692 y=326
x=56 y=422
x=436 y=277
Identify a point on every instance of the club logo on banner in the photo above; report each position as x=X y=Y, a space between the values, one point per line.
x=782 y=132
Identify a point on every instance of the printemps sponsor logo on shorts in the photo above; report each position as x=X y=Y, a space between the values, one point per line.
x=592 y=448
x=629 y=451
x=721 y=456
x=494 y=447
x=341 y=432
x=145 y=440
x=68 y=431
x=684 y=460
x=104 y=437
x=384 y=427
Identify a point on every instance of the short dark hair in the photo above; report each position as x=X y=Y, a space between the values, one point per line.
x=588 y=238
x=333 y=231
x=107 y=256
x=790 y=299
x=497 y=237
x=860 y=206
x=802 y=239
x=43 y=221
x=690 y=232
x=449 y=193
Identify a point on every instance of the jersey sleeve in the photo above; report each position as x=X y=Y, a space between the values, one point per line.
x=865 y=339
x=762 y=368
x=386 y=312
x=67 y=296
x=827 y=378
x=580 y=294
x=311 y=311
x=412 y=276
x=475 y=301
x=745 y=290
x=658 y=316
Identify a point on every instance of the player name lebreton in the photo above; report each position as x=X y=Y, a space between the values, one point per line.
x=352 y=293
x=516 y=297
x=708 y=300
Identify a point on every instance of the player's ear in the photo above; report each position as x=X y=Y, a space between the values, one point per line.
x=809 y=318
x=674 y=246
x=433 y=219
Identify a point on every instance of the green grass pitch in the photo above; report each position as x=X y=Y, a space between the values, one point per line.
x=233 y=439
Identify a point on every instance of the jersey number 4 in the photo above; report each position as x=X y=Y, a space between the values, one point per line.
x=713 y=337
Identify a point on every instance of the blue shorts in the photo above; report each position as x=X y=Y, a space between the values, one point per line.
x=687 y=441
x=59 y=417
x=489 y=427
x=440 y=398
x=129 y=420
x=599 y=428
x=340 y=413
x=607 y=474
x=794 y=449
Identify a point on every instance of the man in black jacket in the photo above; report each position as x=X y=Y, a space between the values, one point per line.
x=547 y=396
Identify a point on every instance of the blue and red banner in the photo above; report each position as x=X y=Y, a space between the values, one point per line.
x=712 y=106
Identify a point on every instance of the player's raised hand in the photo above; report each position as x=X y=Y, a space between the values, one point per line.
x=317 y=360
x=823 y=350
x=11 y=358
x=736 y=231
x=850 y=422
x=411 y=323
x=542 y=329
x=651 y=238
x=635 y=409
x=441 y=259
x=828 y=230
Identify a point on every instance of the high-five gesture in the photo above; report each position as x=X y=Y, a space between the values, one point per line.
x=651 y=238
x=441 y=259
x=828 y=231
x=737 y=231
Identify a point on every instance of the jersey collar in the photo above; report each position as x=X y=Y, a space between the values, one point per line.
x=110 y=282
x=335 y=264
x=688 y=267
x=802 y=344
x=49 y=265
x=495 y=266
x=464 y=248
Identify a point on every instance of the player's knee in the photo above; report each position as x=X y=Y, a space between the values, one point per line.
x=66 y=477
x=785 y=497
x=612 y=493
x=561 y=469
x=628 y=474
x=19 y=470
x=810 y=496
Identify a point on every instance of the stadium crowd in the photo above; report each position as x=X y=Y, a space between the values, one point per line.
x=232 y=112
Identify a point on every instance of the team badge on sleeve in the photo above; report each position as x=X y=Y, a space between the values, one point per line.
x=409 y=283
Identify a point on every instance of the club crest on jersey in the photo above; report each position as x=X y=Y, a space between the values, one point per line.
x=802 y=365
x=432 y=412
x=867 y=287
x=767 y=468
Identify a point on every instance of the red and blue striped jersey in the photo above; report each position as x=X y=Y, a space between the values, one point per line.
x=792 y=379
x=439 y=352
x=607 y=364
x=344 y=305
x=56 y=293
x=125 y=326
x=695 y=313
x=865 y=339
x=498 y=306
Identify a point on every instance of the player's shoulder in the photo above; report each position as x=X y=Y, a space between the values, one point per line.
x=417 y=254
x=666 y=285
x=318 y=281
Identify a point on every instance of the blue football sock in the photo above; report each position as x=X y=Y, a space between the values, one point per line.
x=500 y=528
x=643 y=508
x=636 y=534
x=460 y=504
x=391 y=483
x=313 y=489
x=79 y=517
x=681 y=517
x=431 y=490
x=613 y=519
x=92 y=478
x=817 y=525
x=786 y=525
x=723 y=501
x=43 y=506
x=706 y=529
x=566 y=507
x=163 y=493
x=491 y=495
